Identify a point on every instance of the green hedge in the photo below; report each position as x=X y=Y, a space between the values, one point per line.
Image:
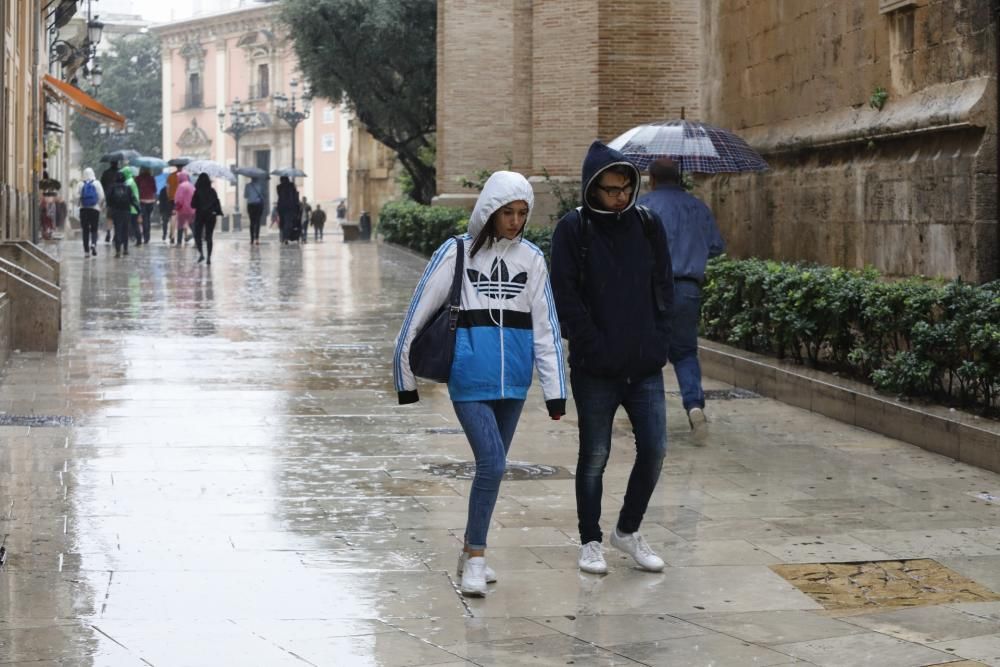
x=421 y=228
x=913 y=337
x=424 y=228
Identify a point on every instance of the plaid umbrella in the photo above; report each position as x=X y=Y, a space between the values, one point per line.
x=696 y=147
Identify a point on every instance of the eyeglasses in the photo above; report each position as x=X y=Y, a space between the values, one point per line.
x=615 y=192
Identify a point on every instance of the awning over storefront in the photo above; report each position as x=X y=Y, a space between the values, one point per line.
x=83 y=102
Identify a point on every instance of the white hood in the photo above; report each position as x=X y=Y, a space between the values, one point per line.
x=88 y=174
x=502 y=188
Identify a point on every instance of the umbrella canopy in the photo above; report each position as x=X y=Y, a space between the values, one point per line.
x=696 y=147
x=179 y=161
x=250 y=172
x=290 y=172
x=212 y=168
x=148 y=161
x=120 y=155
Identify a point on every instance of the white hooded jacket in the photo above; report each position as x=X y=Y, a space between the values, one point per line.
x=508 y=322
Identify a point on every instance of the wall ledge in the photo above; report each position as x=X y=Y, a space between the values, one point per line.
x=942 y=107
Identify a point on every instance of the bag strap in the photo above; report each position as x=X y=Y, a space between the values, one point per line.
x=455 y=298
x=584 y=245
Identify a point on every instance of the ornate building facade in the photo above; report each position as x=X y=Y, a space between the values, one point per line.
x=210 y=62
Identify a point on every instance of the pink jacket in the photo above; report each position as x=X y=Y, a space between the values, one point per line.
x=182 y=199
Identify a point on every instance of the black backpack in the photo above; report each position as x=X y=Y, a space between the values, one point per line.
x=120 y=196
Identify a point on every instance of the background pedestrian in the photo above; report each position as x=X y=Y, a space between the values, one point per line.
x=90 y=199
x=693 y=237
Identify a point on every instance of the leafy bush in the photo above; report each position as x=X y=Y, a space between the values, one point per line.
x=913 y=337
x=421 y=228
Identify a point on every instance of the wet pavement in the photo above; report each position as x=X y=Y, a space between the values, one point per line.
x=227 y=480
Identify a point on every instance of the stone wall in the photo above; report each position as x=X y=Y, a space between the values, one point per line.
x=535 y=81
x=910 y=189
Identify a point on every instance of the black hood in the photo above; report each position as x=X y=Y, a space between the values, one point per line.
x=600 y=157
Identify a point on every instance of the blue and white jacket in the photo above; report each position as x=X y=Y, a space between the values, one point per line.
x=508 y=321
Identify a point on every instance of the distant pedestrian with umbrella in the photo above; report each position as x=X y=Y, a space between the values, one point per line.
x=90 y=199
x=147 y=199
x=206 y=207
x=121 y=201
x=693 y=238
x=182 y=205
x=256 y=196
x=108 y=178
x=288 y=210
x=305 y=214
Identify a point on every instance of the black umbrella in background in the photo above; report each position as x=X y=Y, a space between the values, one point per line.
x=122 y=155
x=290 y=172
x=179 y=161
x=250 y=172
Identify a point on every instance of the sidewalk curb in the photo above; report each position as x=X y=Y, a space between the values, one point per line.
x=957 y=435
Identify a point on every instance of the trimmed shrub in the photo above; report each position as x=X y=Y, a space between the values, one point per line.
x=418 y=227
x=915 y=337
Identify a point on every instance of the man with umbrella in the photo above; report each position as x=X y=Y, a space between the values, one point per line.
x=693 y=237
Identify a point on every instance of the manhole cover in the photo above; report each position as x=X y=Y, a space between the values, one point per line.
x=723 y=394
x=516 y=470
x=35 y=420
x=890 y=583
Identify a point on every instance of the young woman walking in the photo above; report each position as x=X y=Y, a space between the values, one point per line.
x=507 y=324
x=206 y=206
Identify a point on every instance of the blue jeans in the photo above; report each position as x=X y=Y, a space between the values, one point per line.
x=683 y=353
x=597 y=399
x=489 y=426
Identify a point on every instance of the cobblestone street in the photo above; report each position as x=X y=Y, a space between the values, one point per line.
x=226 y=479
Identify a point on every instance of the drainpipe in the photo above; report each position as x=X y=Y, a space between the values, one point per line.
x=36 y=122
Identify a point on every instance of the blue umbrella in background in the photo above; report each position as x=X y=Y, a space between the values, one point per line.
x=148 y=161
x=161 y=180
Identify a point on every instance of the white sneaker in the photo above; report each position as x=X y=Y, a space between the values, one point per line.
x=491 y=576
x=474 y=577
x=635 y=546
x=696 y=417
x=592 y=558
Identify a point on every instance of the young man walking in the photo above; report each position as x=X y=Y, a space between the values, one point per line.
x=613 y=290
x=693 y=238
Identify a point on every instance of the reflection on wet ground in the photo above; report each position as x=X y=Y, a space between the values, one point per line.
x=226 y=480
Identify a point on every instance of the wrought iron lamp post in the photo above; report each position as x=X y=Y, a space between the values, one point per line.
x=286 y=110
x=241 y=121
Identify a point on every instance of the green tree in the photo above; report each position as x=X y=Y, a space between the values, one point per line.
x=131 y=86
x=379 y=58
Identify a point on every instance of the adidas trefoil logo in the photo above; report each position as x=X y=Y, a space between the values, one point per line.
x=499 y=284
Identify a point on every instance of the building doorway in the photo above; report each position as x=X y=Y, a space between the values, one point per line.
x=262 y=160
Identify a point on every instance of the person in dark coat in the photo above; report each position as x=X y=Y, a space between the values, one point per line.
x=613 y=289
x=108 y=178
x=121 y=200
x=166 y=206
x=288 y=210
x=318 y=222
x=206 y=205
x=365 y=226
x=255 y=195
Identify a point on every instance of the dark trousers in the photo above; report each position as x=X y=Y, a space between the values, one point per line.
x=318 y=230
x=146 y=208
x=165 y=219
x=255 y=211
x=597 y=399
x=90 y=218
x=121 y=220
x=134 y=225
x=204 y=228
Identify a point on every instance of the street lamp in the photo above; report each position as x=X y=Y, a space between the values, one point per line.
x=286 y=111
x=241 y=120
